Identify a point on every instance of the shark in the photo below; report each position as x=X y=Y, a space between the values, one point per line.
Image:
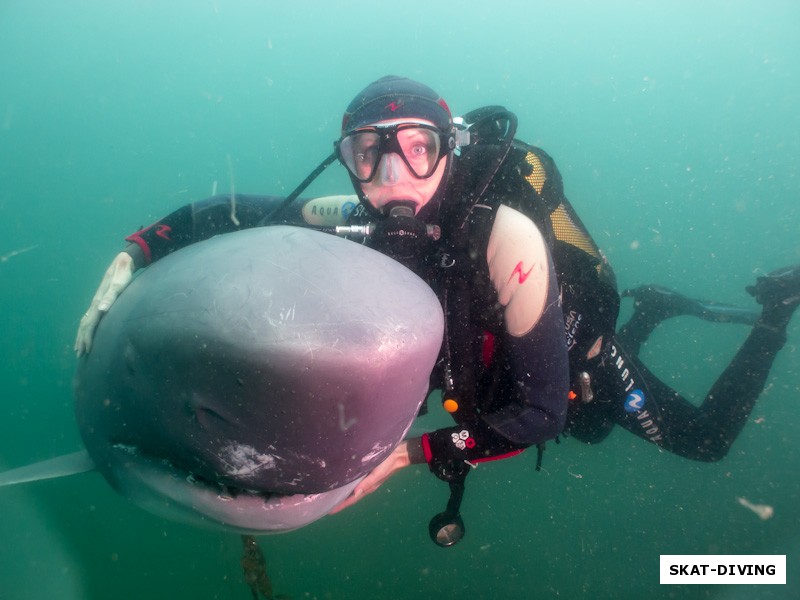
x=248 y=382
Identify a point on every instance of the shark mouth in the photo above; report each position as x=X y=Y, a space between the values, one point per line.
x=167 y=490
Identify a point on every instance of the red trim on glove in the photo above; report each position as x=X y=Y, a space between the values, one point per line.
x=426 y=448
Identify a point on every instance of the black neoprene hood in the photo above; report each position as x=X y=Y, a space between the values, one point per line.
x=394 y=97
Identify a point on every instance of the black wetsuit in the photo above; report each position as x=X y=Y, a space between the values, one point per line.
x=611 y=386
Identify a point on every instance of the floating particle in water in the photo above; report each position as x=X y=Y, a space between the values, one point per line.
x=13 y=253
x=763 y=511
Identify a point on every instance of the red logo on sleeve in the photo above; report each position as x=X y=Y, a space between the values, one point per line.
x=522 y=275
x=163 y=231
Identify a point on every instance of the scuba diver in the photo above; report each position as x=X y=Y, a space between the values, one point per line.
x=531 y=347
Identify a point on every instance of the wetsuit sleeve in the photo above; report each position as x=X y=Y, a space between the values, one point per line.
x=533 y=408
x=198 y=221
x=221 y=214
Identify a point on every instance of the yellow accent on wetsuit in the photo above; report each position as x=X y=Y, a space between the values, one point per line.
x=537 y=176
x=564 y=228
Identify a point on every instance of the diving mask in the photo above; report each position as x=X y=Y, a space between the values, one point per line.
x=420 y=146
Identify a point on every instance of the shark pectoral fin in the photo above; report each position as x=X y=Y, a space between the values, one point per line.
x=61 y=466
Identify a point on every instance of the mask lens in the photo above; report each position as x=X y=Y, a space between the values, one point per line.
x=360 y=153
x=420 y=148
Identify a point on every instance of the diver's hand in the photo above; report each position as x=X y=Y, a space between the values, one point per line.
x=397 y=460
x=116 y=279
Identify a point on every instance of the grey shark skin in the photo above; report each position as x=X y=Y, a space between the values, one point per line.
x=248 y=382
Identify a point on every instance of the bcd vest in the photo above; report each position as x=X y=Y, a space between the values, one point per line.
x=471 y=364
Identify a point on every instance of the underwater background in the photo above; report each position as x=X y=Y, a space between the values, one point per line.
x=676 y=127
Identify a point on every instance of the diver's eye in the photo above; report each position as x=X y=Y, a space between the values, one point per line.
x=418 y=151
x=366 y=157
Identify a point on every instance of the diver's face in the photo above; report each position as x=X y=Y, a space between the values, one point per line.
x=393 y=181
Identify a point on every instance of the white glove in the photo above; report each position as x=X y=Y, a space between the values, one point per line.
x=116 y=279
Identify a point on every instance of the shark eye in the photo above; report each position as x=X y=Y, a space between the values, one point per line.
x=207 y=417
